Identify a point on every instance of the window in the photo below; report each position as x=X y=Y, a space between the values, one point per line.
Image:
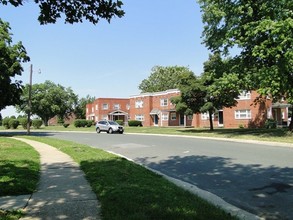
x=97 y=118
x=244 y=95
x=205 y=116
x=189 y=117
x=243 y=114
x=139 y=117
x=92 y=109
x=173 y=116
x=97 y=107
x=116 y=106
x=104 y=117
x=165 y=116
x=105 y=106
x=164 y=102
x=127 y=106
x=138 y=104
x=87 y=110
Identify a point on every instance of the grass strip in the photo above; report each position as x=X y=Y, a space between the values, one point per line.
x=19 y=167
x=129 y=191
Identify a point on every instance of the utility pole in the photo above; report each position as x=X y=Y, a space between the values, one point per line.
x=29 y=100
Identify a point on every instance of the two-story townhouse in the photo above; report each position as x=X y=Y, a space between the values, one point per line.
x=108 y=108
x=156 y=109
x=247 y=113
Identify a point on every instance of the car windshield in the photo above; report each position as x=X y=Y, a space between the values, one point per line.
x=113 y=123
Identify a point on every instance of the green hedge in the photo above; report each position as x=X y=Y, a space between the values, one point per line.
x=81 y=123
x=134 y=123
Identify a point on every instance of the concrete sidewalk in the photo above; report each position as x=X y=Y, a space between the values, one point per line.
x=62 y=193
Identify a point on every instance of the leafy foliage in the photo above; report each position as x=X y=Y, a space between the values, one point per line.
x=213 y=90
x=80 y=108
x=49 y=100
x=260 y=35
x=11 y=57
x=163 y=78
x=74 y=11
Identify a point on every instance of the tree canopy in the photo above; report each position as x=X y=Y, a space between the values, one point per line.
x=80 y=108
x=260 y=34
x=74 y=11
x=48 y=100
x=210 y=92
x=163 y=78
x=11 y=57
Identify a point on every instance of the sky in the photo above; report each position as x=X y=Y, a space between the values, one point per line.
x=109 y=60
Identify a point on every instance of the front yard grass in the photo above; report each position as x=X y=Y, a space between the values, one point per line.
x=129 y=191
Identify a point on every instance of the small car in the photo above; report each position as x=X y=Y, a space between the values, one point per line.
x=109 y=127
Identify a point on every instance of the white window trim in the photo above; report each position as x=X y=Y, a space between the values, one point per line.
x=116 y=106
x=104 y=106
x=139 y=104
x=139 y=117
x=165 y=116
x=244 y=95
x=243 y=114
x=173 y=118
x=164 y=102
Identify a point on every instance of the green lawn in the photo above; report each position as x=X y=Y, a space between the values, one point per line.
x=129 y=191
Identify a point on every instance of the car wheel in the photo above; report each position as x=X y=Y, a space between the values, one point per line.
x=121 y=132
x=98 y=130
x=110 y=131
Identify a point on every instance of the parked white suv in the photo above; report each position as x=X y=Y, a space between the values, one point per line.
x=109 y=127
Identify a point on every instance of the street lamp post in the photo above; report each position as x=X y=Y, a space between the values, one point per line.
x=29 y=100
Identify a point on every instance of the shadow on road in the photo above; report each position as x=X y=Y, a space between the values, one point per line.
x=264 y=191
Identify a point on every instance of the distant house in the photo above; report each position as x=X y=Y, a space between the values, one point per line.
x=156 y=109
x=108 y=108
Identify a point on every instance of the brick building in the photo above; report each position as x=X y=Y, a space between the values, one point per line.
x=108 y=108
x=156 y=109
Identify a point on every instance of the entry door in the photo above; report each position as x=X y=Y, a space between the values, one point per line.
x=221 y=119
x=181 y=120
x=156 y=119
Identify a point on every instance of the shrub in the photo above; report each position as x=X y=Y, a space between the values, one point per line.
x=23 y=122
x=89 y=123
x=77 y=123
x=13 y=123
x=270 y=123
x=65 y=125
x=120 y=122
x=37 y=123
x=134 y=123
x=5 y=122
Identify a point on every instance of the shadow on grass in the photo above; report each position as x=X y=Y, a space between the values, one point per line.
x=18 y=180
x=265 y=191
x=129 y=191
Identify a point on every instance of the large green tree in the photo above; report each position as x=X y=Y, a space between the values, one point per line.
x=259 y=35
x=80 y=108
x=48 y=100
x=163 y=78
x=11 y=57
x=212 y=91
x=74 y=11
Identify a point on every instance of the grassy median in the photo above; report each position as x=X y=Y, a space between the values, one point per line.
x=129 y=191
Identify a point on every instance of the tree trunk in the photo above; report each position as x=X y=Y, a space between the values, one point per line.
x=211 y=120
